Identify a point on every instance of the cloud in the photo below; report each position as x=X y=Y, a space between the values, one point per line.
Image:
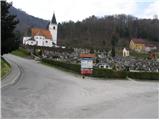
x=152 y=9
x=78 y=9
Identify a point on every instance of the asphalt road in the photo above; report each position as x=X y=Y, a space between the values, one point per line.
x=45 y=92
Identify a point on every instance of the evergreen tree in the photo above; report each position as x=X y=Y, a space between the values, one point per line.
x=114 y=39
x=8 y=24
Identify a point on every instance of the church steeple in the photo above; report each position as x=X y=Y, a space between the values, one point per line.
x=53 y=29
x=53 y=21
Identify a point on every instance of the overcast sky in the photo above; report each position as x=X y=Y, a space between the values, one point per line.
x=74 y=10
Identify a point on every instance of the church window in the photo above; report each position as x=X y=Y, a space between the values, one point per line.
x=54 y=27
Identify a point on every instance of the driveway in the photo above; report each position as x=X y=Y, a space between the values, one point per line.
x=45 y=92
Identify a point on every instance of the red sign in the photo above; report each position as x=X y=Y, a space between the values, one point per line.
x=86 y=71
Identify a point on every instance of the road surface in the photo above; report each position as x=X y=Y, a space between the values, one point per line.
x=45 y=92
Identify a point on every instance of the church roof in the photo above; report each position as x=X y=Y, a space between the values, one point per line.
x=47 y=27
x=42 y=32
x=54 y=19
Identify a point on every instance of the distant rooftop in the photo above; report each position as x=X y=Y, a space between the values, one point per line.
x=138 y=41
x=142 y=41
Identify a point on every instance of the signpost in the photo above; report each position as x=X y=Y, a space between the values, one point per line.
x=87 y=63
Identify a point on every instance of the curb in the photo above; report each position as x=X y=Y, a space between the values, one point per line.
x=13 y=76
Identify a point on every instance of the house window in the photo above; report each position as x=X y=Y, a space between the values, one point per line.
x=46 y=41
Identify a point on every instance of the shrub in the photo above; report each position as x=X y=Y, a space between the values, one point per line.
x=104 y=73
x=21 y=52
x=69 y=66
x=144 y=75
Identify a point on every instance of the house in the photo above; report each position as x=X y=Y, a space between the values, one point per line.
x=137 y=45
x=104 y=65
x=31 y=42
x=150 y=47
x=125 y=52
x=140 y=45
x=43 y=37
x=25 y=39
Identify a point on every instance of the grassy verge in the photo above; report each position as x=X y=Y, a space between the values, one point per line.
x=144 y=75
x=21 y=52
x=74 y=68
x=107 y=73
x=103 y=73
x=5 y=67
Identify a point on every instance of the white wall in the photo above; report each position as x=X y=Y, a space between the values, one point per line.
x=47 y=43
x=39 y=40
x=30 y=42
x=42 y=41
x=53 y=29
x=148 y=49
x=25 y=39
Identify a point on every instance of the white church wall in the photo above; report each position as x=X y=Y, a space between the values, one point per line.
x=25 y=39
x=30 y=42
x=53 y=29
x=39 y=40
x=47 y=43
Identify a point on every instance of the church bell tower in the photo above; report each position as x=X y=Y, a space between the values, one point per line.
x=53 y=27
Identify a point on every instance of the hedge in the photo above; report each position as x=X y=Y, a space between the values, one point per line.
x=72 y=67
x=144 y=75
x=104 y=73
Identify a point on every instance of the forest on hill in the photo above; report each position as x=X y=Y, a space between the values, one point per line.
x=27 y=21
x=94 y=32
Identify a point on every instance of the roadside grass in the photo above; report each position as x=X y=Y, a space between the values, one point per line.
x=5 y=67
x=61 y=68
x=21 y=52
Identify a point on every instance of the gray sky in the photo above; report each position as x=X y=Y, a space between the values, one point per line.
x=74 y=10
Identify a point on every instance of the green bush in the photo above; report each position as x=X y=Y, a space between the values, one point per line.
x=73 y=67
x=21 y=52
x=105 y=73
x=144 y=75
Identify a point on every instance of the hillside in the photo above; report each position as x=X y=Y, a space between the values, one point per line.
x=27 y=21
x=95 y=32
x=98 y=32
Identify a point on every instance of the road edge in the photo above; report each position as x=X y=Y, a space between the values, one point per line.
x=13 y=76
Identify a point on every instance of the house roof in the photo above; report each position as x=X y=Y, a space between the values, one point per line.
x=87 y=55
x=138 y=41
x=47 y=27
x=150 y=45
x=42 y=32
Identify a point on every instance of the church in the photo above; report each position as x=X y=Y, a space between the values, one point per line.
x=43 y=37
